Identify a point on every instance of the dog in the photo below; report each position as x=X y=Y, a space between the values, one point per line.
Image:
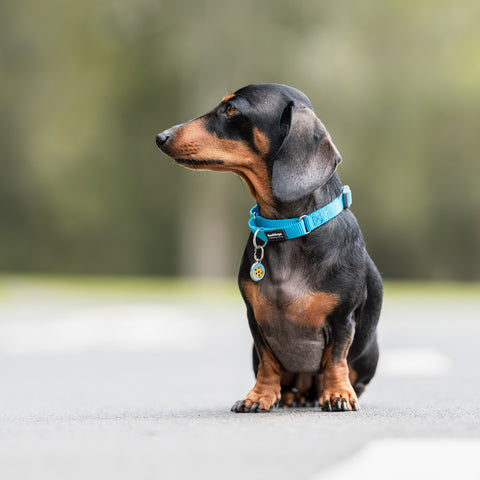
x=313 y=295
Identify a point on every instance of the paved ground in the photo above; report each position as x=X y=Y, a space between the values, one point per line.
x=116 y=388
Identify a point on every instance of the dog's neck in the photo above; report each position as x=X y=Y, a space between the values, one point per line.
x=308 y=204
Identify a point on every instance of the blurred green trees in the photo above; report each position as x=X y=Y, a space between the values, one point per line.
x=85 y=86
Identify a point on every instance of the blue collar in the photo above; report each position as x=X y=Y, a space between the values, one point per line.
x=288 y=228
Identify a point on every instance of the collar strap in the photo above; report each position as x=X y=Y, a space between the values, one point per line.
x=288 y=228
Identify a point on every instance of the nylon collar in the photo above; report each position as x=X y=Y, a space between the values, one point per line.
x=288 y=228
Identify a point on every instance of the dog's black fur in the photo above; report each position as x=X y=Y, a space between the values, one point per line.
x=313 y=317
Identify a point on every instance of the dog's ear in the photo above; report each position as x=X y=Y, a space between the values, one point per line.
x=307 y=157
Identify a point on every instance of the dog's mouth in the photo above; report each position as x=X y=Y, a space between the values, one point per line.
x=189 y=162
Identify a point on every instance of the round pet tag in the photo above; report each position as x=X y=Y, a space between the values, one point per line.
x=257 y=272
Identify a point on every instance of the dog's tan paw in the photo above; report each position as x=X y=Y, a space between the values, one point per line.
x=341 y=401
x=255 y=402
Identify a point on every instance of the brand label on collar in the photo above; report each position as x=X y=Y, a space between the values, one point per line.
x=273 y=235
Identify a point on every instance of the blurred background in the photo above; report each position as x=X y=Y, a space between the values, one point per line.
x=85 y=87
x=118 y=358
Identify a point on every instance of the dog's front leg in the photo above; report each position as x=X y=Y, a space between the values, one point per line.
x=266 y=392
x=338 y=393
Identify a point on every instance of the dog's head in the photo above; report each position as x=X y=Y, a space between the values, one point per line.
x=268 y=134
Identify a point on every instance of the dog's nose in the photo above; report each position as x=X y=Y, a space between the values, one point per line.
x=162 y=139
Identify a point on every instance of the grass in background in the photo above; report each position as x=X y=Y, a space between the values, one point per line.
x=430 y=288
x=118 y=286
x=188 y=288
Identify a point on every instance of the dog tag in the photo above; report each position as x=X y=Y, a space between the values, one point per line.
x=257 y=272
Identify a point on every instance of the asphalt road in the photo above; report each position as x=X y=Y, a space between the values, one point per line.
x=141 y=388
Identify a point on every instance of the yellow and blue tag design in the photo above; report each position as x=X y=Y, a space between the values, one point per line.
x=257 y=271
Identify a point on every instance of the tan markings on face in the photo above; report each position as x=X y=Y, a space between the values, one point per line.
x=309 y=310
x=261 y=141
x=193 y=142
x=228 y=97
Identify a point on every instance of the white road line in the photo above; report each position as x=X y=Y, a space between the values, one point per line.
x=413 y=362
x=411 y=458
x=107 y=328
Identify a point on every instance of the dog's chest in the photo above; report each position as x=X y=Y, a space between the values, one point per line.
x=291 y=318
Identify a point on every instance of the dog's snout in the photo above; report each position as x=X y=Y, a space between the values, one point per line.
x=162 y=138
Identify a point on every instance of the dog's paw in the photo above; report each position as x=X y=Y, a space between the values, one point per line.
x=341 y=401
x=255 y=403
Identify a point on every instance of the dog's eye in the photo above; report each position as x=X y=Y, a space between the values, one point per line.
x=230 y=110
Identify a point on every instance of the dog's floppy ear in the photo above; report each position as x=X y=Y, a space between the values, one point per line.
x=307 y=157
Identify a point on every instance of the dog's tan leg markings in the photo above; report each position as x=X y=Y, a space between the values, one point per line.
x=266 y=392
x=352 y=375
x=267 y=387
x=337 y=391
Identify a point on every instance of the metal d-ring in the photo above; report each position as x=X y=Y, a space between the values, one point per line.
x=300 y=218
x=258 y=247
x=255 y=239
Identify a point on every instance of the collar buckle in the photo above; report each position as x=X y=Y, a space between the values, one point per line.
x=347 y=196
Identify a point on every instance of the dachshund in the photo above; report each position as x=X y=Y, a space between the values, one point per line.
x=312 y=293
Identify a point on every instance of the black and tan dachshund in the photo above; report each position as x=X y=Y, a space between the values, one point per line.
x=313 y=300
